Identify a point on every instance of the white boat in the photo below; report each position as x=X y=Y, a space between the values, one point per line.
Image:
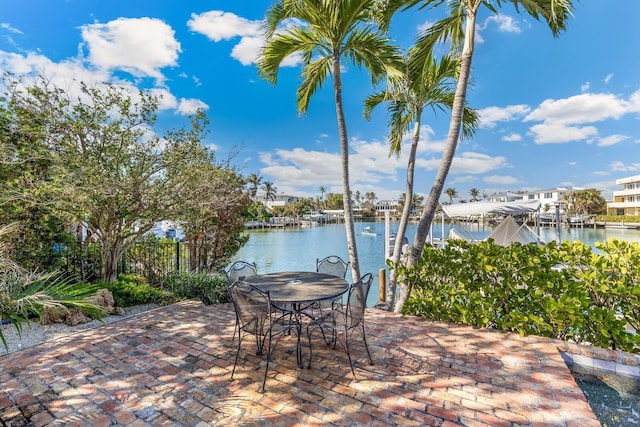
x=367 y=232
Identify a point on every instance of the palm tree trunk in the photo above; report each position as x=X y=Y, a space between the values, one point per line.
x=406 y=211
x=457 y=111
x=344 y=155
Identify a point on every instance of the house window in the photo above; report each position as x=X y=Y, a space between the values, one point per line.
x=548 y=195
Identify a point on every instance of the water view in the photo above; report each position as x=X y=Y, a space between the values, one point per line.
x=298 y=248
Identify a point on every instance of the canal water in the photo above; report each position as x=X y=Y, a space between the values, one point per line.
x=297 y=249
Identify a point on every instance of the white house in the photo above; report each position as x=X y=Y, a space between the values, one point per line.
x=627 y=200
x=550 y=197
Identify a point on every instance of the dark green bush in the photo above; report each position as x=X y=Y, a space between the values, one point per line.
x=208 y=288
x=132 y=289
x=566 y=292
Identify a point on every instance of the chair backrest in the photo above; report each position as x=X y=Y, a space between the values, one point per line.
x=333 y=265
x=253 y=307
x=239 y=270
x=357 y=300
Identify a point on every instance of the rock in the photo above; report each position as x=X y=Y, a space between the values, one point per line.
x=75 y=316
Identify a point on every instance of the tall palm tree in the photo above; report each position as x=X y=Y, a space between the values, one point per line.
x=330 y=31
x=270 y=191
x=428 y=87
x=474 y=193
x=452 y=193
x=323 y=191
x=458 y=28
x=254 y=180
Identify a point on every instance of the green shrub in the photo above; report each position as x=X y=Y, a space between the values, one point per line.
x=208 y=288
x=132 y=289
x=566 y=292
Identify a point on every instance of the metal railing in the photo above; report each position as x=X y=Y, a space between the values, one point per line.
x=153 y=260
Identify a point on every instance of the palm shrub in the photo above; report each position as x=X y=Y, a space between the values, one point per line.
x=208 y=288
x=25 y=296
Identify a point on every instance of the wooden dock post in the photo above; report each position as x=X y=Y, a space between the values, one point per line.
x=383 y=284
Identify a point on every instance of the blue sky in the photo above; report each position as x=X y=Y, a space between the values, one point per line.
x=555 y=112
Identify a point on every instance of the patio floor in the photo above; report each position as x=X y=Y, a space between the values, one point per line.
x=171 y=366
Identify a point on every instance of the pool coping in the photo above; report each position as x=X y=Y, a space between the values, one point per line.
x=595 y=360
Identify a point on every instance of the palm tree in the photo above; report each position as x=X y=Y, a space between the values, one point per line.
x=431 y=86
x=254 y=180
x=331 y=30
x=458 y=28
x=452 y=193
x=323 y=191
x=270 y=191
x=474 y=193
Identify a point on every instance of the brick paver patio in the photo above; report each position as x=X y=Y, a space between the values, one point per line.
x=171 y=366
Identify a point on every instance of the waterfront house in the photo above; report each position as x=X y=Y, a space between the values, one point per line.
x=627 y=200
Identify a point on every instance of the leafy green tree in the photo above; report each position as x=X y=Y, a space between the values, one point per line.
x=27 y=172
x=213 y=204
x=428 y=87
x=458 y=27
x=330 y=30
x=114 y=174
x=334 y=201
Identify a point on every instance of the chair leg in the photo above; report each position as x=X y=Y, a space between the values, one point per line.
x=237 y=355
x=364 y=338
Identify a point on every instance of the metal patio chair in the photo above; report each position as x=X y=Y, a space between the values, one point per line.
x=256 y=316
x=333 y=265
x=344 y=319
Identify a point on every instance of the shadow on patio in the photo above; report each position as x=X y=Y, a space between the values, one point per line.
x=171 y=366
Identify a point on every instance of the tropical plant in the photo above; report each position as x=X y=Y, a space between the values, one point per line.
x=458 y=28
x=475 y=194
x=452 y=193
x=254 y=180
x=323 y=190
x=427 y=87
x=589 y=201
x=270 y=190
x=26 y=295
x=327 y=32
x=206 y=287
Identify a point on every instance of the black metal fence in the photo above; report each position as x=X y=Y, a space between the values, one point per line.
x=153 y=260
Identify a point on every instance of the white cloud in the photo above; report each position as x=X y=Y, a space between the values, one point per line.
x=491 y=115
x=140 y=46
x=506 y=24
x=190 y=106
x=561 y=133
x=466 y=163
x=512 y=137
x=611 y=140
x=500 y=179
x=608 y=78
x=618 y=166
x=218 y=25
x=584 y=108
x=562 y=119
x=585 y=87
x=10 y=28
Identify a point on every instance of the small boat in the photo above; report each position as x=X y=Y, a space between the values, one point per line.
x=367 y=232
